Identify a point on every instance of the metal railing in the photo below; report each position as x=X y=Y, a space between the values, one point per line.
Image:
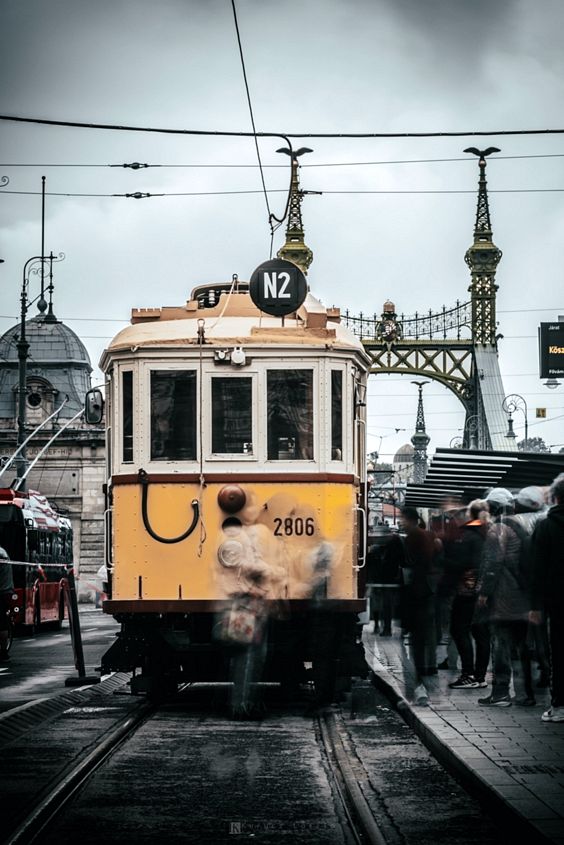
x=438 y=325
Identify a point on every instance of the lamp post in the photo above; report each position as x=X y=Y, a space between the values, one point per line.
x=35 y=265
x=471 y=426
x=515 y=402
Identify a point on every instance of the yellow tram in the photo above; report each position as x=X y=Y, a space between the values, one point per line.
x=236 y=460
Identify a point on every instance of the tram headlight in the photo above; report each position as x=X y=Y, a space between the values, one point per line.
x=230 y=553
x=231 y=498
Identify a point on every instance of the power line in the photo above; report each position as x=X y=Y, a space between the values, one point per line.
x=251 y=114
x=225 y=133
x=409 y=192
x=138 y=166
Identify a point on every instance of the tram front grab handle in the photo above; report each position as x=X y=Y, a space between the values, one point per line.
x=144 y=481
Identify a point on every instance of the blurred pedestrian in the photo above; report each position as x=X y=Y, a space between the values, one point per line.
x=467 y=632
x=450 y=535
x=548 y=592
x=530 y=507
x=503 y=591
x=419 y=593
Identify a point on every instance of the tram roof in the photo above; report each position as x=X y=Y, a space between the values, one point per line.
x=236 y=321
x=460 y=475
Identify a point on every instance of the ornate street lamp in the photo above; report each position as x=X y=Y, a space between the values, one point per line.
x=35 y=266
x=510 y=404
x=471 y=426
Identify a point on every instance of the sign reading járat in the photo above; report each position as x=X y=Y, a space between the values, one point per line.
x=551 y=350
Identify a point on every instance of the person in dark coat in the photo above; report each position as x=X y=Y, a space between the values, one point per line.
x=547 y=593
x=508 y=600
x=464 y=565
x=419 y=592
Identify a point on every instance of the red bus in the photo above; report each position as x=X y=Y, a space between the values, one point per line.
x=38 y=541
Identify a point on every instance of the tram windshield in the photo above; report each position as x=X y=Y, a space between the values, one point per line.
x=232 y=421
x=173 y=415
x=290 y=415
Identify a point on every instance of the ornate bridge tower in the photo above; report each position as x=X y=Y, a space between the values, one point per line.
x=456 y=346
x=420 y=439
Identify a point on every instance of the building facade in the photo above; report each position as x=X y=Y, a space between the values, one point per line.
x=71 y=473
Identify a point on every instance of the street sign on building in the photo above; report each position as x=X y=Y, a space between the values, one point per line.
x=540 y=413
x=551 y=350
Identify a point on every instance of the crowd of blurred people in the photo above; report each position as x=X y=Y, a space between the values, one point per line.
x=489 y=577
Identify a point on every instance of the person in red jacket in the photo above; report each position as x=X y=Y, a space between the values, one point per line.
x=547 y=593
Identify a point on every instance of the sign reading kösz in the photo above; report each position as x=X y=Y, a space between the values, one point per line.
x=551 y=350
x=278 y=287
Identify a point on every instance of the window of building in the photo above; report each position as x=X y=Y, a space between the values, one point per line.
x=173 y=415
x=336 y=415
x=232 y=416
x=290 y=415
x=127 y=412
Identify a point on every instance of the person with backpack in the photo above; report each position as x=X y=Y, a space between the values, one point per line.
x=548 y=592
x=464 y=566
x=503 y=590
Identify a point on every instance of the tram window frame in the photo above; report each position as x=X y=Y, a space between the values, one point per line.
x=253 y=452
x=313 y=445
x=127 y=417
x=187 y=415
x=337 y=438
x=110 y=425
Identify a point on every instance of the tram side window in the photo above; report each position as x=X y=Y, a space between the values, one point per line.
x=336 y=415
x=232 y=416
x=173 y=415
x=127 y=399
x=290 y=415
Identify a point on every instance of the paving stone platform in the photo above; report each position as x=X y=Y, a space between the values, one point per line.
x=507 y=753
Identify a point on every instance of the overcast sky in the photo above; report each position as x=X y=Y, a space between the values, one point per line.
x=313 y=66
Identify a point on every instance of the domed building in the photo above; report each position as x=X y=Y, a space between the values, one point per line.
x=71 y=473
x=403 y=463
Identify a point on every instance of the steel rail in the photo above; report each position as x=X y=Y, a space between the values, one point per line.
x=53 y=801
x=361 y=819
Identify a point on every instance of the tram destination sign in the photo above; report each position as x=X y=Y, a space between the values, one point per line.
x=551 y=350
x=278 y=287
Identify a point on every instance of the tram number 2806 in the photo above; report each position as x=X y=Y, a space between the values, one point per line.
x=294 y=526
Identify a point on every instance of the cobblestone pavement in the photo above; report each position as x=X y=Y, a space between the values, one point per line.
x=508 y=751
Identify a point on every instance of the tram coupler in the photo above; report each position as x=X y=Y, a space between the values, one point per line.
x=82 y=679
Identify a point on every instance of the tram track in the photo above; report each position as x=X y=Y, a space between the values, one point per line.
x=353 y=814
x=363 y=825
x=181 y=770
x=55 y=798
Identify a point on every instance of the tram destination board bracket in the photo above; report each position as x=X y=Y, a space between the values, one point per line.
x=278 y=287
x=551 y=350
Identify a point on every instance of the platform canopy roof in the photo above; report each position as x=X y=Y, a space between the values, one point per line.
x=460 y=475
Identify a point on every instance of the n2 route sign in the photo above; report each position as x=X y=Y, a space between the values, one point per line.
x=278 y=287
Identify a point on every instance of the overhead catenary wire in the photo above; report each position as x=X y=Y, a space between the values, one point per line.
x=115 y=127
x=252 y=117
x=328 y=192
x=207 y=166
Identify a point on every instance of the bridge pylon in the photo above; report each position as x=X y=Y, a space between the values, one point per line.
x=456 y=346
